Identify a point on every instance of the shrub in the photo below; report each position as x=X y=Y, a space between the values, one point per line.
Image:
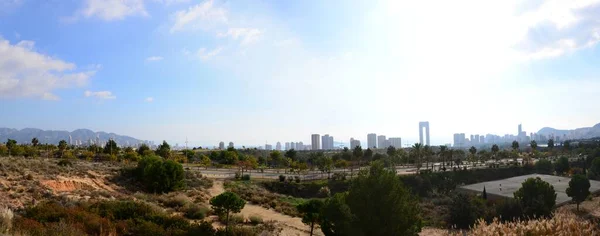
x=537 y=197
x=195 y=212
x=237 y=219
x=255 y=220
x=544 y=167
x=281 y=178
x=297 y=179
x=562 y=165
x=324 y=192
x=245 y=177
x=509 y=210
x=64 y=163
x=339 y=176
x=465 y=210
x=238 y=175
x=178 y=200
x=6 y=217
x=159 y=175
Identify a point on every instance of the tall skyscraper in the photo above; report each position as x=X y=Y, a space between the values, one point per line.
x=230 y=145
x=354 y=143
x=221 y=145
x=520 y=129
x=293 y=146
x=395 y=142
x=325 y=142
x=278 y=146
x=315 y=142
x=287 y=146
x=268 y=147
x=330 y=141
x=459 y=140
x=371 y=140
x=424 y=125
x=381 y=141
x=70 y=140
x=300 y=146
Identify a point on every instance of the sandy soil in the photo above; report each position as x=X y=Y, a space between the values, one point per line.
x=291 y=226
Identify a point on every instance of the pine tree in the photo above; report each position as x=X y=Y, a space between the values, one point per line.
x=484 y=194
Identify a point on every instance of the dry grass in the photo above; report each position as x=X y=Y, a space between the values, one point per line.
x=562 y=224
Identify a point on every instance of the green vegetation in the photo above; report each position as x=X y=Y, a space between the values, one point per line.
x=310 y=211
x=160 y=176
x=579 y=189
x=537 y=198
x=227 y=203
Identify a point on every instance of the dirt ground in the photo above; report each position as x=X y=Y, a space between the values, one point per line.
x=291 y=226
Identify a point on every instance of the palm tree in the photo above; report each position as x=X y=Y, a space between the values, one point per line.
x=473 y=152
x=427 y=154
x=495 y=150
x=417 y=151
x=442 y=154
x=450 y=154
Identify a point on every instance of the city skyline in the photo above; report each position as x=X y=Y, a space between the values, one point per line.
x=219 y=70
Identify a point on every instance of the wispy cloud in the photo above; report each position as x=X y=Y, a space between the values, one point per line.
x=149 y=99
x=246 y=35
x=110 y=10
x=201 y=16
x=100 y=94
x=27 y=73
x=154 y=58
x=206 y=54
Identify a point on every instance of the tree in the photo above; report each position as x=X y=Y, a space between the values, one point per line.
x=551 y=143
x=473 y=152
x=442 y=153
x=579 y=189
x=111 y=147
x=226 y=203
x=205 y=161
x=381 y=205
x=465 y=210
x=533 y=144
x=495 y=150
x=325 y=165
x=368 y=155
x=10 y=144
x=311 y=211
x=159 y=175
x=427 y=154
x=143 y=150
x=417 y=153
x=276 y=159
x=544 y=167
x=594 y=172
x=562 y=165
x=515 y=145
x=35 y=142
x=484 y=194
x=391 y=151
x=62 y=146
x=357 y=154
x=291 y=154
x=336 y=218
x=537 y=197
x=164 y=150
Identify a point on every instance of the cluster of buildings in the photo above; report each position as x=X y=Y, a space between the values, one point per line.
x=462 y=141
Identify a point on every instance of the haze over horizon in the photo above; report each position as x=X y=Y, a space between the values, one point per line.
x=249 y=72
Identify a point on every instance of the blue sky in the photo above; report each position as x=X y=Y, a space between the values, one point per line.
x=255 y=71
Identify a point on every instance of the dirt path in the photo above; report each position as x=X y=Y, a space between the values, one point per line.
x=292 y=226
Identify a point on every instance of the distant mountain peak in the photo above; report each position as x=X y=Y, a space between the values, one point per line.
x=579 y=133
x=54 y=136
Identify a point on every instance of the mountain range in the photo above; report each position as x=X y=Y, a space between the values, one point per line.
x=54 y=136
x=579 y=133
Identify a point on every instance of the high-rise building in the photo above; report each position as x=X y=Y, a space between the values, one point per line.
x=300 y=146
x=371 y=140
x=278 y=146
x=230 y=145
x=315 y=142
x=482 y=139
x=459 y=140
x=287 y=146
x=520 y=129
x=331 y=145
x=70 y=140
x=381 y=141
x=395 y=142
x=293 y=145
x=424 y=125
x=268 y=147
x=221 y=145
x=354 y=143
x=327 y=142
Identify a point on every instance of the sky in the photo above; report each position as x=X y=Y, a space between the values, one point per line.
x=262 y=71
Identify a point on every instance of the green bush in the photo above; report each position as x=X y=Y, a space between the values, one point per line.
x=281 y=178
x=65 y=163
x=245 y=177
x=195 y=212
x=160 y=176
x=544 y=167
x=255 y=220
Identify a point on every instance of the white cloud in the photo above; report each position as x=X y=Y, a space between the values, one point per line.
x=246 y=35
x=149 y=99
x=556 y=27
x=27 y=73
x=170 y=2
x=154 y=58
x=99 y=94
x=205 y=54
x=202 y=16
x=110 y=10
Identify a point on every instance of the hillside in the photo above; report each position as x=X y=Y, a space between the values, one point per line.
x=585 y=132
x=54 y=136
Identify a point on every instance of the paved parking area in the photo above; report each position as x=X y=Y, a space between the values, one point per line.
x=506 y=187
